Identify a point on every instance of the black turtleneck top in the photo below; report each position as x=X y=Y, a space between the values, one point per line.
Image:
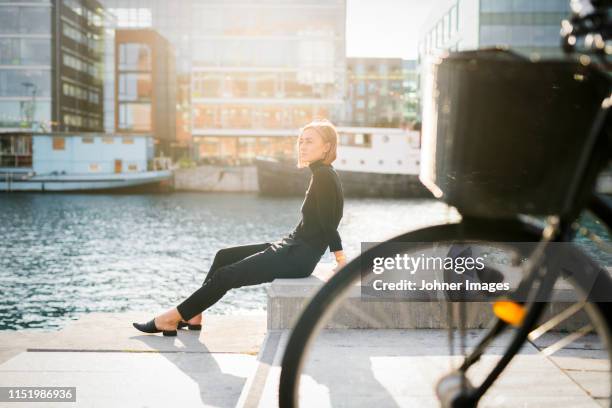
x=321 y=209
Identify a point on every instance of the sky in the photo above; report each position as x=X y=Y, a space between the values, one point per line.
x=384 y=28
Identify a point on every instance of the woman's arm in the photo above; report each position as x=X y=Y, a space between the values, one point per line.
x=340 y=260
x=329 y=214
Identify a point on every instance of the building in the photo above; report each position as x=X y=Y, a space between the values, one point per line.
x=375 y=90
x=261 y=71
x=145 y=86
x=174 y=24
x=249 y=74
x=527 y=27
x=51 y=65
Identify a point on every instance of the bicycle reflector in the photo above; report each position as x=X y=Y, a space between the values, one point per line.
x=510 y=312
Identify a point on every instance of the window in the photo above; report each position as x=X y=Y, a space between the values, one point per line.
x=357 y=139
x=35 y=20
x=9 y=51
x=132 y=167
x=59 y=143
x=73 y=120
x=87 y=140
x=135 y=86
x=9 y=20
x=25 y=51
x=128 y=140
x=24 y=82
x=361 y=88
x=94 y=167
x=107 y=140
x=134 y=56
x=135 y=116
x=20 y=114
x=362 y=138
x=207 y=84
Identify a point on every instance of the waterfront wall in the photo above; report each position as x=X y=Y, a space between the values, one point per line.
x=217 y=178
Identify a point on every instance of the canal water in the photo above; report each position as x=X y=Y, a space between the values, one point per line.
x=63 y=255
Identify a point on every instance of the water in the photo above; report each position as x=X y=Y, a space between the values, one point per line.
x=65 y=255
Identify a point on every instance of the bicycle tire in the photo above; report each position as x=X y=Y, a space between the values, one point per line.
x=324 y=300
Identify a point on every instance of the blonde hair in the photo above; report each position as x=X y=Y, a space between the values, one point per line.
x=328 y=133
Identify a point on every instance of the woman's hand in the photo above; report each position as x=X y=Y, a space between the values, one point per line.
x=340 y=260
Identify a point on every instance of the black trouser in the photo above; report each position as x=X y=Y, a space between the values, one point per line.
x=250 y=265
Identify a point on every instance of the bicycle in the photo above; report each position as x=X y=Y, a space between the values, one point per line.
x=467 y=178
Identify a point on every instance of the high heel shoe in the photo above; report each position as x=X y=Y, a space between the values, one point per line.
x=189 y=326
x=150 y=327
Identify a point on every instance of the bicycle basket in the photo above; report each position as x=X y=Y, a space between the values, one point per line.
x=503 y=135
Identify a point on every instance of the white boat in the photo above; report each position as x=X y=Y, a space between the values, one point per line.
x=371 y=162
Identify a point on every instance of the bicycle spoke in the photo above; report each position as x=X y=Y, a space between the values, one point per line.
x=555 y=321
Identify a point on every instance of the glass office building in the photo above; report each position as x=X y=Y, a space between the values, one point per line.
x=26 y=91
x=51 y=65
x=528 y=27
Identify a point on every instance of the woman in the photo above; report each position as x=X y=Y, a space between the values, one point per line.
x=294 y=256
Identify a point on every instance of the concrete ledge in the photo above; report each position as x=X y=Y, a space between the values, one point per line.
x=288 y=297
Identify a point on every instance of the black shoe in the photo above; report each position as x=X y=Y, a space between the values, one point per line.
x=149 y=327
x=189 y=326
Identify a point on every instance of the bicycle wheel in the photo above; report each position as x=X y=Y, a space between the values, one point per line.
x=340 y=336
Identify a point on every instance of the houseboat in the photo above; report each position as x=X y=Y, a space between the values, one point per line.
x=84 y=162
x=371 y=162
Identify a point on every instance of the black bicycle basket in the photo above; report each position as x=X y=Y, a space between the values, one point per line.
x=503 y=135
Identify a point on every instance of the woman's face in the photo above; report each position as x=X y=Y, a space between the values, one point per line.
x=311 y=146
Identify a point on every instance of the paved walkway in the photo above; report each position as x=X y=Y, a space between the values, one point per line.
x=114 y=365
x=398 y=368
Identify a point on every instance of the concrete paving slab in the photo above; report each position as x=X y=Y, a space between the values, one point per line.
x=118 y=379
x=398 y=368
x=114 y=365
x=114 y=332
x=589 y=341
